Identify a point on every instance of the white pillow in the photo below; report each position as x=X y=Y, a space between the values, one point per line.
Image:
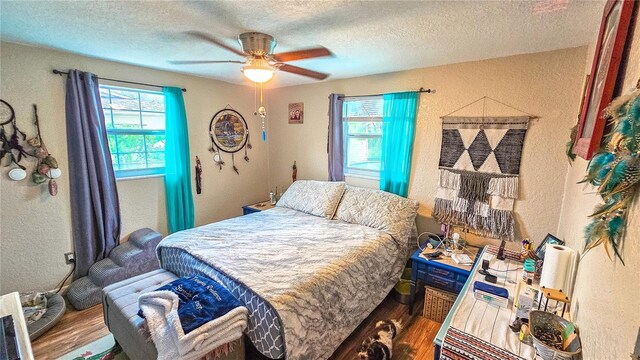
x=319 y=198
x=380 y=210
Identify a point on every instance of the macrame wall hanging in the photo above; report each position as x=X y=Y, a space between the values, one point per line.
x=479 y=171
x=229 y=134
x=615 y=170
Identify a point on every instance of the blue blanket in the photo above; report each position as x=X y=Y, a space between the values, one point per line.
x=201 y=300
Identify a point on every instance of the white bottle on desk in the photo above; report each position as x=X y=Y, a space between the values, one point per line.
x=526 y=296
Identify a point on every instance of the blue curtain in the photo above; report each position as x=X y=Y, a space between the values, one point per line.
x=95 y=212
x=398 y=129
x=177 y=180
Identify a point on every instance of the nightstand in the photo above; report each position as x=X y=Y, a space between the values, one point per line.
x=257 y=207
x=443 y=273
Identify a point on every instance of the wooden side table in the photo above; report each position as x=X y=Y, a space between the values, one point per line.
x=443 y=273
x=10 y=305
x=257 y=207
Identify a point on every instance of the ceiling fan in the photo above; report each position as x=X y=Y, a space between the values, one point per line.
x=260 y=61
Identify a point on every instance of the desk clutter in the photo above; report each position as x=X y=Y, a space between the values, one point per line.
x=505 y=317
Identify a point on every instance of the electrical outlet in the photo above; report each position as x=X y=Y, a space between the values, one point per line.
x=69 y=258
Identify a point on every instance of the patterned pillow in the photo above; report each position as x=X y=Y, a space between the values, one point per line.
x=378 y=209
x=319 y=198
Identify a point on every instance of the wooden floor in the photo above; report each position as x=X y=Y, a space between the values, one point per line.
x=78 y=328
x=75 y=329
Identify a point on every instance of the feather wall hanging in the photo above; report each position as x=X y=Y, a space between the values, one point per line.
x=615 y=171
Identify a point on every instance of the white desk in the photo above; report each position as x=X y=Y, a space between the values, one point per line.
x=10 y=305
x=485 y=326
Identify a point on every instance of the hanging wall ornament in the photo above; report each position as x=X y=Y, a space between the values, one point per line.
x=294 y=171
x=480 y=170
x=47 y=168
x=198 y=176
x=261 y=111
x=11 y=143
x=615 y=171
x=229 y=133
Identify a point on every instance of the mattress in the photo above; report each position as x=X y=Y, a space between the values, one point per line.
x=308 y=282
x=264 y=328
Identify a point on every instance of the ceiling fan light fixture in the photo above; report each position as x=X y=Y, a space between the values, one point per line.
x=258 y=70
x=257 y=74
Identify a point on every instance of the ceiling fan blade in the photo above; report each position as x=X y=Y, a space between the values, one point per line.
x=190 y=62
x=213 y=40
x=304 y=72
x=302 y=54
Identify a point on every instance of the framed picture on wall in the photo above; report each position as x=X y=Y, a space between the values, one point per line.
x=604 y=72
x=296 y=113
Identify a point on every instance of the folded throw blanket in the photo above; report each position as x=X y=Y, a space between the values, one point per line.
x=190 y=317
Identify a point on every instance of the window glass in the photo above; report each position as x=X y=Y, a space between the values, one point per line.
x=135 y=122
x=362 y=118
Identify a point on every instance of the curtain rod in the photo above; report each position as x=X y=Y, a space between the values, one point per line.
x=421 y=90
x=58 y=72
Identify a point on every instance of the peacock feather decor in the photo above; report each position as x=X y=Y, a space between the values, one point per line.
x=615 y=171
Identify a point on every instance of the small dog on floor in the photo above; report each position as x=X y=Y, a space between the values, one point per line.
x=379 y=345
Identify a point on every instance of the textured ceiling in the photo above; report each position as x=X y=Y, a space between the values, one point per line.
x=366 y=37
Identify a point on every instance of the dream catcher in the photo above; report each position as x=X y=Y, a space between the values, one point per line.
x=12 y=147
x=229 y=133
x=10 y=143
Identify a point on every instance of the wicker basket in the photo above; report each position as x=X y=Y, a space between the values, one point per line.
x=437 y=303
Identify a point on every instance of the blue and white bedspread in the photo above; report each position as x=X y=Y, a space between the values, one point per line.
x=307 y=281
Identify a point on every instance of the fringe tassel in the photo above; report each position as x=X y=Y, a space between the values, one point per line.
x=215 y=354
x=481 y=209
x=506 y=187
x=449 y=179
x=460 y=205
x=474 y=186
x=498 y=224
x=220 y=351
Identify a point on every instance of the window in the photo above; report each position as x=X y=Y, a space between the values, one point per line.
x=135 y=130
x=362 y=121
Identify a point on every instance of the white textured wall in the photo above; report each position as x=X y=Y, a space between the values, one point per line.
x=35 y=228
x=546 y=84
x=606 y=293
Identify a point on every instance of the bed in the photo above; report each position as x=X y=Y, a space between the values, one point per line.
x=309 y=270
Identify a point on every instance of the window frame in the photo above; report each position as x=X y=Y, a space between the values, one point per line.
x=349 y=170
x=139 y=172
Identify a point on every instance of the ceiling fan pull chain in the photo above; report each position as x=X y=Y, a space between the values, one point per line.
x=263 y=114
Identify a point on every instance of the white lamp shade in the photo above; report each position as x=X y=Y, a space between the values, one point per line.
x=257 y=74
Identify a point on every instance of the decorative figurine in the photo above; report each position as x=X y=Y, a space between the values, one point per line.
x=198 y=176
x=294 y=174
x=527 y=249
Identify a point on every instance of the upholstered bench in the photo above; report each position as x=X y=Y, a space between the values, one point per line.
x=120 y=307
